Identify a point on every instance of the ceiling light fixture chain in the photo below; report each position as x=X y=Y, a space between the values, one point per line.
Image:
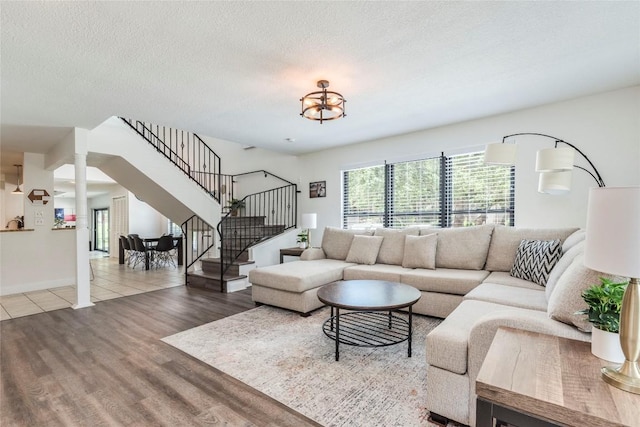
x=323 y=105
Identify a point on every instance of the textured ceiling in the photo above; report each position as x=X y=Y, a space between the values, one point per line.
x=236 y=70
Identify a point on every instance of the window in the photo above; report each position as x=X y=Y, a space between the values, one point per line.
x=173 y=228
x=453 y=191
x=363 y=197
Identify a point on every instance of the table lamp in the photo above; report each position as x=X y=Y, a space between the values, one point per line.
x=309 y=221
x=613 y=246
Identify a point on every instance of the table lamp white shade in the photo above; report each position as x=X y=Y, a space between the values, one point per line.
x=500 y=153
x=309 y=221
x=613 y=231
x=555 y=159
x=554 y=182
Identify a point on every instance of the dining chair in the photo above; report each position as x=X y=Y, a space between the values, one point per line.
x=164 y=251
x=127 y=248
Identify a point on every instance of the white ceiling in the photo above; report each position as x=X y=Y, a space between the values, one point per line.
x=236 y=70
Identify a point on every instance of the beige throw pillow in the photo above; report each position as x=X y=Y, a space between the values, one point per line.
x=420 y=251
x=364 y=249
x=566 y=298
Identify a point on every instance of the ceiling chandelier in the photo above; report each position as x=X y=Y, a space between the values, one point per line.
x=323 y=104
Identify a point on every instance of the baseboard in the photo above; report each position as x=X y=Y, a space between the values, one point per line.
x=36 y=286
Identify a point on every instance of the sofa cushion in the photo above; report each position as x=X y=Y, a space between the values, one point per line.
x=505 y=278
x=447 y=344
x=336 y=241
x=464 y=247
x=311 y=254
x=445 y=280
x=392 y=249
x=566 y=298
x=420 y=251
x=532 y=299
x=561 y=267
x=535 y=259
x=505 y=242
x=390 y=273
x=299 y=276
x=364 y=249
x=573 y=239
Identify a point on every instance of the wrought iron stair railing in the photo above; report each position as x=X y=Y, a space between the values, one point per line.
x=257 y=217
x=187 y=151
x=199 y=238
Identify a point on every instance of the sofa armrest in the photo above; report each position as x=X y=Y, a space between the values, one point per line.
x=312 y=254
x=482 y=333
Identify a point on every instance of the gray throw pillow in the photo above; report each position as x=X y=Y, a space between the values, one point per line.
x=535 y=259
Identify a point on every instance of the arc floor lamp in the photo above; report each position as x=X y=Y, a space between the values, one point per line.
x=554 y=164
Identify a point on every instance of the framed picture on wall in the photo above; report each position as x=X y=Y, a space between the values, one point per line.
x=317 y=189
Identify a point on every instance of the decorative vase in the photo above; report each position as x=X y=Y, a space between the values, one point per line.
x=606 y=345
x=302 y=245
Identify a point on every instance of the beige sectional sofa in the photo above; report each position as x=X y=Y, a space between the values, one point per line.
x=464 y=275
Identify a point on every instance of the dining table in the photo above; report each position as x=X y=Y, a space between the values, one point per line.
x=150 y=242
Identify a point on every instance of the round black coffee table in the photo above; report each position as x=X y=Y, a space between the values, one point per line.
x=371 y=322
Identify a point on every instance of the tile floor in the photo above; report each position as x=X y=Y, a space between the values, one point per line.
x=110 y=280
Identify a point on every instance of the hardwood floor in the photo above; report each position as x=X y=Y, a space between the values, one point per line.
x=105 y=366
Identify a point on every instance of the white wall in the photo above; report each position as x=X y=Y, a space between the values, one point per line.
x=606 y=127
x=144 y=220
x=12 y=204
x=42 y=258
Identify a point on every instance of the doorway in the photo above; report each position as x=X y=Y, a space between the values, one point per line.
x=101 y=229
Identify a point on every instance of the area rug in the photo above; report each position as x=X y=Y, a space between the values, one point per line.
x=289 y=358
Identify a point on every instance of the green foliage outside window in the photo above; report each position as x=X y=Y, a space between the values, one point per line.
x=412 y=193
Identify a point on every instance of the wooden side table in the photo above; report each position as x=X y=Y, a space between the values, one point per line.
x=531 y=379
x=290 y=252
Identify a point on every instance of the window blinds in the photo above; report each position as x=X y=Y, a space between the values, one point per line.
x=454 y=191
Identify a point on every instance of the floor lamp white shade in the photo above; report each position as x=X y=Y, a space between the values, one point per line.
x=613 y=246
x=309 y=221
x=500 y=154
x=555 y=183
x=555 y=159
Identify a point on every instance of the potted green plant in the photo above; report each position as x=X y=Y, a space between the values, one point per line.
x=58 y=223
x=303 y=239
x=604 y=302
x=235 y=205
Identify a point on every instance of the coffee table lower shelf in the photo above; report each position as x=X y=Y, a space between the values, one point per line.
x=368 y=329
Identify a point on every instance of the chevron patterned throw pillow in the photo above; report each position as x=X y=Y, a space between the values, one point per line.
x=535 y=259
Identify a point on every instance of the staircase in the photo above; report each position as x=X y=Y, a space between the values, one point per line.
x=247 y=231
x=264 y=214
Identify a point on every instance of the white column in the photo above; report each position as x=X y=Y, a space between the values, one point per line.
x=83 y=281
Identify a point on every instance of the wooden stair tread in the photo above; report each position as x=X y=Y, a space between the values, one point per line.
x=217 y=261
x=226 y=277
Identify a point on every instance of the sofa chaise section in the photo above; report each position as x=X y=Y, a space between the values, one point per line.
x=294 y=285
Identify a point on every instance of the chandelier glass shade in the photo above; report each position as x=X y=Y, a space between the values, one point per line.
x=323 y=105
